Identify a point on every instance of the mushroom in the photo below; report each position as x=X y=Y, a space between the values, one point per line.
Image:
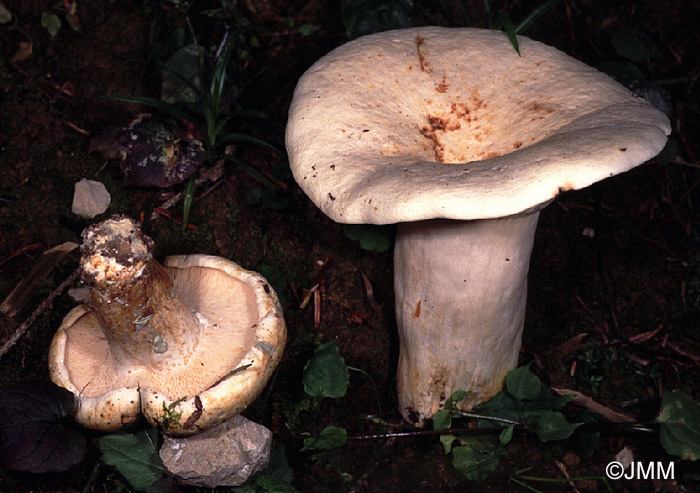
x=453 y=135
x=188 y=344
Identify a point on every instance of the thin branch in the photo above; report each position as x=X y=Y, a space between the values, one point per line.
x=39 y=310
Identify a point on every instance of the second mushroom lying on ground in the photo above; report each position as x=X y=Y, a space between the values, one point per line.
x=453 y=135
x=188 y=344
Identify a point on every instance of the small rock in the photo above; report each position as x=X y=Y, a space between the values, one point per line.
x=90 y=199
x=226 y=455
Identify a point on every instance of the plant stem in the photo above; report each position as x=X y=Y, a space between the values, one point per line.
x=489 y=418
x=189 y=197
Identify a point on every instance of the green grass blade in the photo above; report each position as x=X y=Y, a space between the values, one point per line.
x=463 y=9
x=218 y=81
x=254 y=173
x=189 y=198
x=487 y=11
x=247 y=139
x=510 y=32
x=535 y=14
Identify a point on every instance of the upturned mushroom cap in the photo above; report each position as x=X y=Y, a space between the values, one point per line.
x=196 y=378
x=435 y=122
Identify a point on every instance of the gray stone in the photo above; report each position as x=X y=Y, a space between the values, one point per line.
x=226 y=455
x=90 y=199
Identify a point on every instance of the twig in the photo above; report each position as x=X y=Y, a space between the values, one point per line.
x=39 y=310
x=22 y=250
x=595 y=407
x=645 y=336
x=682 y=352
x=563 y=470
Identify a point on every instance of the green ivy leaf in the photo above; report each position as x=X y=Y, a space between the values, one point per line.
x=371 y=237
x=326 y=374
x=51 y=22
x=472 y=463
x=552 y=425
x=187 y=62
x=135 y=456
x=330 y=437
x=441 y=420
x=523 y=384
x=506 y=405
x=458 y=395
x=446 y=441
x=680 y=425
x=506 y=435
x=5 y=14
x=634 y=45
x=502 y=405
x=306 y=29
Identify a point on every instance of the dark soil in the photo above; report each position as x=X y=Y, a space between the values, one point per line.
x=610 y=262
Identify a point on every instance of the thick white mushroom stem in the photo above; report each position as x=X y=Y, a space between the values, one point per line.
x=144 y=321
x=461 y=289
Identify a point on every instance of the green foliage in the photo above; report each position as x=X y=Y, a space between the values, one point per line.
x=472 y=463
x=523 y=384
x=326 y=374
x=51 y=22
x=371 y=237
x=506 y=407
x=5 y=14
x=198 y=90
x=187 y=62
x=524 y=403
x=277 y=279
x=170 y=414
x=362 y=17
x=135 y=456
x=329 y=438
x=680 y=425
x=595 y=361
x=634 y=45
x=506 y=435
x=552 y=425
x=275 y=478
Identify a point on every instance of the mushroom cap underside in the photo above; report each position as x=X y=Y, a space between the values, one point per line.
x=243 y=340
x=431 y=122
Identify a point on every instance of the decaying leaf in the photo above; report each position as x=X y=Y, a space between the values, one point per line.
x=33 y=437
x=153 y=156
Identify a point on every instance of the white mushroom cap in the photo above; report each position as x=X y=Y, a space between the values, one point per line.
x=435 y=122
x=204 y=370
